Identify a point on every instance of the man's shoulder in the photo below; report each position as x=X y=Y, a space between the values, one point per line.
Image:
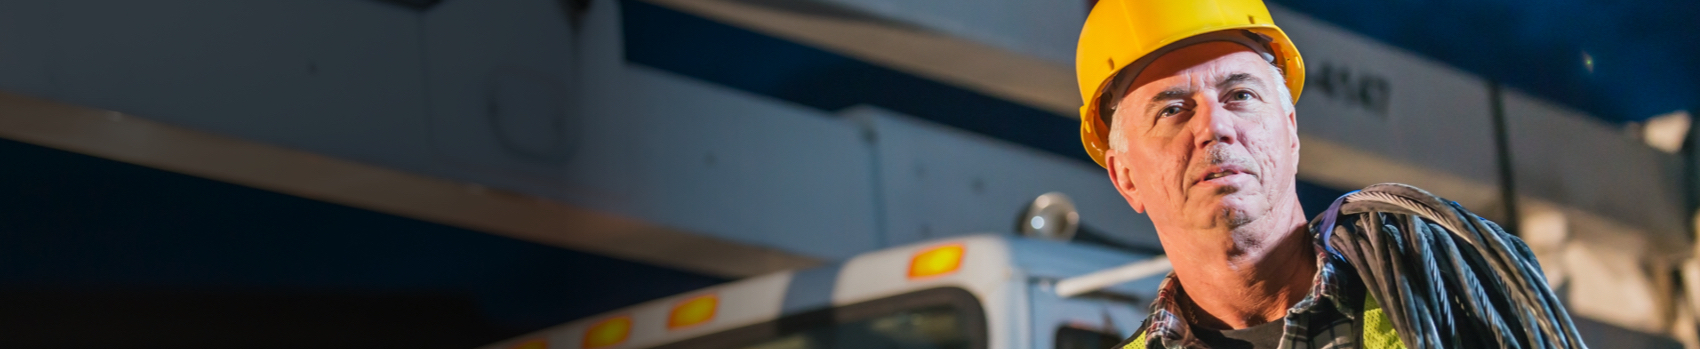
x=1136 y=341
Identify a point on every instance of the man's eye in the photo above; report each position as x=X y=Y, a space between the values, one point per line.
x=1170 y=111
x=1241 y=96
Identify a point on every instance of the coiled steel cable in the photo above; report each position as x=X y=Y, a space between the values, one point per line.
x=1446 y=277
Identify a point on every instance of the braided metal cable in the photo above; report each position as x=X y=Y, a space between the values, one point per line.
x=1446 y=277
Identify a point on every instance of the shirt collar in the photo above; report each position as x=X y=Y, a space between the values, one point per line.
x=1332 y=293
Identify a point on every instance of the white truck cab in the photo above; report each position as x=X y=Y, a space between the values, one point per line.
x=969 y=292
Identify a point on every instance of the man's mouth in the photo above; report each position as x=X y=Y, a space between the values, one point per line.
x=1220 y=171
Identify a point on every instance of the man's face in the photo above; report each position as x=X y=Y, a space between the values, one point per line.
x=1207 y=141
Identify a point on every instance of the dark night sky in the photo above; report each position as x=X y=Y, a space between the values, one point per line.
x=1645 y=53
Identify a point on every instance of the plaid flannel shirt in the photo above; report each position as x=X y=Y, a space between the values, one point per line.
x=1324 y=319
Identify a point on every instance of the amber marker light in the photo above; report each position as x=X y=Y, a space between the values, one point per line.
x=608 y=333
x=694 y=311
x=936 y=261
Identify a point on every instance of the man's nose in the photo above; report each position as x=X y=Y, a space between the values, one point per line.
x=1214 y=124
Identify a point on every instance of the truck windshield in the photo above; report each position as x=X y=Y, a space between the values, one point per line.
x=1078 y=338
x=946 y=318
x=929 y=328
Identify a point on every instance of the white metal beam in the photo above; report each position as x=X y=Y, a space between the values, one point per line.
x=130 y=139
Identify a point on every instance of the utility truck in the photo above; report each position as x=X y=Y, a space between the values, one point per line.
x=982 y=291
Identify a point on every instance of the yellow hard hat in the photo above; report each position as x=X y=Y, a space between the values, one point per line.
x=1119 y=32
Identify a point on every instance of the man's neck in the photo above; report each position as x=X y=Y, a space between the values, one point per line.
x=1268 y=267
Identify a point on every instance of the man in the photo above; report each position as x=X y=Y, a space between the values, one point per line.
x=1189 y=107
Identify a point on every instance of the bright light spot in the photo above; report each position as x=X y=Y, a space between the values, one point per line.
x=936 y=261
x=1037 y=222
x=608 y=333
x=693 y=312
x=1588 y=61
x=1667 y=131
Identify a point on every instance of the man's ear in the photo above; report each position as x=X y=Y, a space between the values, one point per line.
x=1293 y=130
x=1121 y=176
